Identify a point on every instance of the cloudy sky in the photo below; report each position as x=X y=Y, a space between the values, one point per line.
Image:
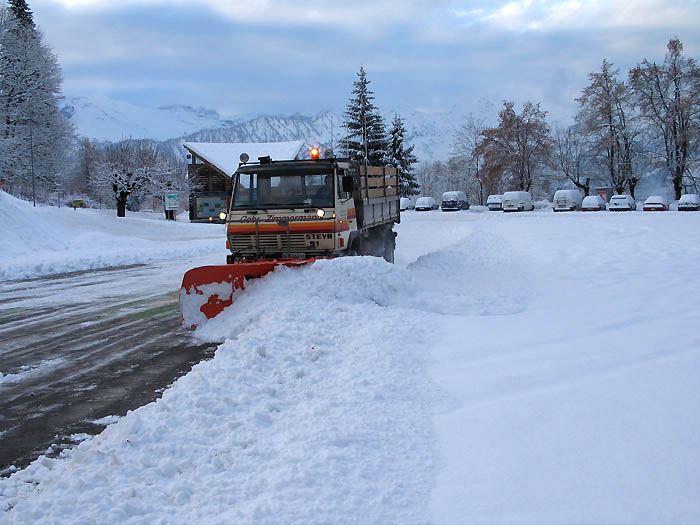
x=285 y=56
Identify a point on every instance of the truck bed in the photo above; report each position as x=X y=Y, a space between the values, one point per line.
x=378 y=196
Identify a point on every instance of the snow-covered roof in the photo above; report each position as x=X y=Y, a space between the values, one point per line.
x=226 y=156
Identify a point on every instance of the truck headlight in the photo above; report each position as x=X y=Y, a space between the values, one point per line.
x=320 y=212
x=222 y=215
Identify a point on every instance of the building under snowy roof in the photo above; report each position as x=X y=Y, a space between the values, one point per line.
x=211 y=166
x=225 y=157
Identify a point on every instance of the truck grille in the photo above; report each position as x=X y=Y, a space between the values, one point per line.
x=270 y=243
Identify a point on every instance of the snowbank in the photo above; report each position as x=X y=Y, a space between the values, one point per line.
x=304 y=415
x=47 y=240
x=502 y=371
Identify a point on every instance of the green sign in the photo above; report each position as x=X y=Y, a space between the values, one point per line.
x=172 y=201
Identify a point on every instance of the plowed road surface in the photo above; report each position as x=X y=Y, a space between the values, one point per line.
x=76 y=348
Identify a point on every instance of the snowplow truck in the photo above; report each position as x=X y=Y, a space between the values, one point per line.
x=291 y=213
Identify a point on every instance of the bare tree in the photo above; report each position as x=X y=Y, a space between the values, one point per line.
x=466 y=139
x=86 y=162
x=570 y=157
x=519 y=147
x=668 y=96
x=129 y=167
x=606 y=116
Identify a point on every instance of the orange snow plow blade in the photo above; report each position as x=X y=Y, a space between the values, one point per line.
x=207 y=290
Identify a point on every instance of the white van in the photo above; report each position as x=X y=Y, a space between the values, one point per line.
x=495 y=202
x=517 y=201
x=567 y=200
x=454 y=201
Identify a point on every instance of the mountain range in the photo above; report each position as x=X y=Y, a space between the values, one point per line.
x=103 y=119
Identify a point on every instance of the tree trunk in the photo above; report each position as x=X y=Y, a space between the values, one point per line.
x=678 y=186
x=632 y=183
x=121 y=204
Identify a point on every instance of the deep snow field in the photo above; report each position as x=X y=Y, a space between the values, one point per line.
x=509 y=368
x=48 y=240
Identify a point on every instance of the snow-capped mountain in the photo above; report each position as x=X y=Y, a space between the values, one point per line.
x=106 y=119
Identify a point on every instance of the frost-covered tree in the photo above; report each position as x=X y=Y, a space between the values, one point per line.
x=606 y=115
x=129 y=168
x=519 y=147
x=35 y=137
x=366 y=139
x=668 y=96
x=571 y=157
x=464 y=149
x=87 y=161
x=402 y=158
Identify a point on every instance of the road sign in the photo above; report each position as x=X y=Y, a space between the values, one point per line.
x=172 y=201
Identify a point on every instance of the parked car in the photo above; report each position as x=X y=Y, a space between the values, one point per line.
x=656 y=203
x=454 y=201
x=622 y=203
x=593 y=203
x=567 y=200
x=405 y=204
x=495 y=202
x=517 y=201
x=689 y=202
x=425 y=204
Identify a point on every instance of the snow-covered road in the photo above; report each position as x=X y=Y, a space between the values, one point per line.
x=532 y=367
x=80 y=346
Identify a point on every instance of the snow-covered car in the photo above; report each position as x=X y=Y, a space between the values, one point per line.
x=495 y=202
x=656 y=203
x=689 y=202
x=622 y=203
x=593 y=203
x=517 y=201
x=425 y=204
x=454 y=201
x=567 y=200
x=405 y=204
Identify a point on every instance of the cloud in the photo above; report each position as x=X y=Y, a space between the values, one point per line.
x=274 y=56
x=547 y=15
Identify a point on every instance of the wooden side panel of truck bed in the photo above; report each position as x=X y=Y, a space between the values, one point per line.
x=379 y=194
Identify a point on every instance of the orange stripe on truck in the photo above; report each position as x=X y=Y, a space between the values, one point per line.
x=302 y=227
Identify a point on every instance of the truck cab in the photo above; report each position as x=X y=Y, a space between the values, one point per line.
x=303 y=209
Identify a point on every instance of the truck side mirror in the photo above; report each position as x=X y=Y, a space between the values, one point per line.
x=348 y=184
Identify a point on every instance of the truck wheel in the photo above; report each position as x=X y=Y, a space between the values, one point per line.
x=389 y=245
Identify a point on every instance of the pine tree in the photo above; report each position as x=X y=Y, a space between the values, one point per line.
x=21 y=12
x=35 y=137
x=402 y=158
x=366 y=139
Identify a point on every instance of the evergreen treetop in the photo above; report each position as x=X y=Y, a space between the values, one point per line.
x=20 y=10
x=402 y=158
x=366 y=134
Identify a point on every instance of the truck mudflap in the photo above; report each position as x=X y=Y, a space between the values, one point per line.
x=207 y=290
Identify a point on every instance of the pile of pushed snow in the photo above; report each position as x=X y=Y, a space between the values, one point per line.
x=314 y=410
x=47 y=240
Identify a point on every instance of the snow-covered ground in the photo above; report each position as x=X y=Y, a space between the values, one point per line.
x=522 y=368
x=48 y=240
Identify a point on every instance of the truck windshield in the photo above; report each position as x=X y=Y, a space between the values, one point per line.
x=270 y=191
